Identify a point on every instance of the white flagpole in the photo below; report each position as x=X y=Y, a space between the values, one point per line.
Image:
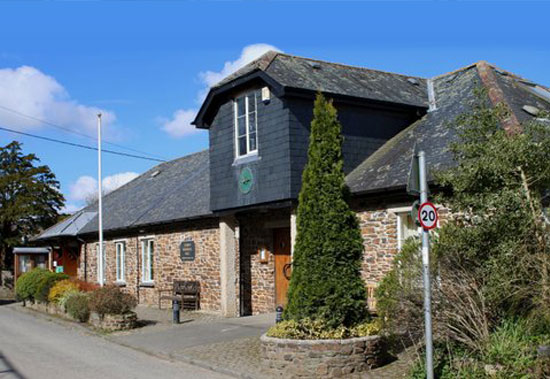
x=99 y=204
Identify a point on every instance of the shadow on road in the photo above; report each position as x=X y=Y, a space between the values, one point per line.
x=7 y=370
x=6 y=302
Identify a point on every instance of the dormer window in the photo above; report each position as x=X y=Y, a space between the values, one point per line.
x=246 y=141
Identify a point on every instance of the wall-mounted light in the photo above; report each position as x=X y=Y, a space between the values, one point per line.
x=266 y=95
x=263 y=255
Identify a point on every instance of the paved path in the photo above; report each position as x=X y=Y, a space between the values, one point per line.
x=33 y=347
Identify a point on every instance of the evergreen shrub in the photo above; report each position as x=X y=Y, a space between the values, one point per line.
x=46 y=282
x=59 y=289
x=111 y=300
x=27 y=284
x=308 y=329
x=76 y=305
x=326 y=282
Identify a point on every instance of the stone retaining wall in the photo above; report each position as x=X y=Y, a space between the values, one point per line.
x=110 y=323
x=113 y=323
x=321 y=358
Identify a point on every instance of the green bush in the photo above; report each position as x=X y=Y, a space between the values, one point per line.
x=45 y=283
x=326 y=282
x=111 y=300
x=308 y=329
x=59 y=289
x=511 y=352
x=27 y=284
x=77 y=307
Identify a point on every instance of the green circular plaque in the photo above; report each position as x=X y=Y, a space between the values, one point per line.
x=246 y=180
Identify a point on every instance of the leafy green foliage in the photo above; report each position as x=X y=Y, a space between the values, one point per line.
x=493 y=261
x=399 y=295
x=510 y=352
x=77 y=306
x=308 y=329
x=501 y=238
x=111 y=300
x=59 y=289
x=29 y=197
x=45 y=283
x=27 y=284
x=326 y=282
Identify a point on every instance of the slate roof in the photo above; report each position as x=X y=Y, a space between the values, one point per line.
x=315 y=75
x=388 y=167
x=172 y=191
x=69 y=227
x=179 y=189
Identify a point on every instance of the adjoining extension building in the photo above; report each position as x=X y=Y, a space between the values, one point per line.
x=226 y=216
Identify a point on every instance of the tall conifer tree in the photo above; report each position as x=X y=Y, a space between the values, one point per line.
x=326 y=282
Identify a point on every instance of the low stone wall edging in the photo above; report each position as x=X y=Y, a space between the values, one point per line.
x=321 y=358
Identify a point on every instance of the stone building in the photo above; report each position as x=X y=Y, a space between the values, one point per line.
x=226 y=216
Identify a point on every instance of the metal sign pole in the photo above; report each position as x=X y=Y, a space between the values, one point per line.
x=426 y=268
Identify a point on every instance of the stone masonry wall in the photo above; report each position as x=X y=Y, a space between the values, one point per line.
x=258 y=278
x=321 y=358
x=380 y=238
x=167 y=265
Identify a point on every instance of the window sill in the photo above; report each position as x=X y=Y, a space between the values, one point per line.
x=244 y=159
x=147 y=284
x=120 y=283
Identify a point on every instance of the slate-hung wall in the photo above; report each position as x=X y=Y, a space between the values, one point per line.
x=271 y=168
x=167 y=265
x=364 y=129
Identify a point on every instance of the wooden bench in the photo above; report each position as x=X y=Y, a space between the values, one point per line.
x=186 y=292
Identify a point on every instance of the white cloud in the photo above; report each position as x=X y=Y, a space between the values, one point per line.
x=70 y=209
x=180 y=123
x=248 y=54
x=85 y=187
x=31 y=92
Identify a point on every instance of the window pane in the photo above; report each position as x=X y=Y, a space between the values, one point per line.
x=241 y=126
x=151 y=250
x=240 y=106
x=242 y=145
x=252 y=122
x=251 y=102
x=143 y=261
x=252 y=141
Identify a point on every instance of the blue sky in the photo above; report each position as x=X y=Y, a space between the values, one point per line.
x=147 y=64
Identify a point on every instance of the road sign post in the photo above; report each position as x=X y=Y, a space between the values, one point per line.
x=423 y=182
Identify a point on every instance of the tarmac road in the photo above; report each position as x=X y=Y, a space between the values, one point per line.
x=33 y=347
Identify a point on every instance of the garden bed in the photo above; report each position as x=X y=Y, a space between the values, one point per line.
x=111 y=323
x=322 y=358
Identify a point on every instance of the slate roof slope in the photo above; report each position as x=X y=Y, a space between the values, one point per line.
x=180 y=190
x=174 y=190
x=315 y=75
x=71 y=226
x=388 y=167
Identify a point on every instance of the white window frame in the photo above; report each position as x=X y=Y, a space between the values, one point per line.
x=120 y=270
x=147 y=265
x=399 y=213
x=101 y=275
x=247 y=125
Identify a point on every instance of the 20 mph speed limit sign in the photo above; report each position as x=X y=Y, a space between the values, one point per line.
x=427 y=215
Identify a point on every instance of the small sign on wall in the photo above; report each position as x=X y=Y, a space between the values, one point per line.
x=59 y=269
x=187 y=251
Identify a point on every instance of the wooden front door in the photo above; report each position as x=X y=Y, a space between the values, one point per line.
x=281 y=250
